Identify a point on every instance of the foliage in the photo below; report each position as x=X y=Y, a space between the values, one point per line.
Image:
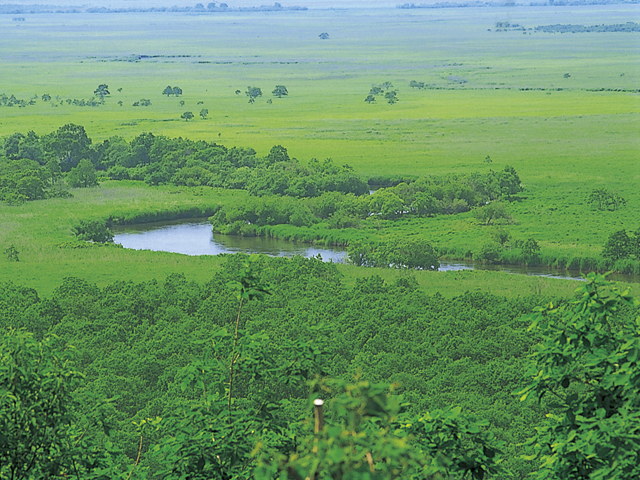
x=385 y=89
x=468 y=350
x=530 y=248
x=253 y=93
x=401 y=253
x=365 y=434
x=603 y=199
x=102 y=91
x=169 y=90
x=621 y=245
x=12 y=253
x=280 y=91
x=588 y=363
x=39 y=413
x=490 y=252
x=491 y=213
x=187 y=116
x=93 y=231
x=83 y=175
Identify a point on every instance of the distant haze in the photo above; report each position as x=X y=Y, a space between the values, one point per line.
x=312 y=4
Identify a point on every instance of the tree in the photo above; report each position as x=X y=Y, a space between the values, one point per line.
x=602 y=199
x=360 y=254
x=370 y=99
x=391 y=97
x=386 y=204
x=69 y=143
x=187 y=116
x=204 y=112
x=489 y=252
x=102 y=91
x=618 y=245
x=12 y=253
x=93 y=231
x=324 y=36
x=253 y=93
x=409 y=253
x=509 y=181
x=424 y=204
x=168 y=90
x=42 y=434
x=491 y=213
x=83 y=176
x=588 y=363
x=46 y=97
x=12 y=145
x=530 y=248
x=277 y=154
x=280 y=91
x=177 y=91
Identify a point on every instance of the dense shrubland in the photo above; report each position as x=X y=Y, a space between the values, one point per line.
x=156 y=360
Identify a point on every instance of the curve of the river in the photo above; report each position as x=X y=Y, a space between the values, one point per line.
x=194 y=237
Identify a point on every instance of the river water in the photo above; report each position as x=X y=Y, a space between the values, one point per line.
x=194 y=237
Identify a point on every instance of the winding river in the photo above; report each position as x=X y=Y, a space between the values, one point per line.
x=194 y=237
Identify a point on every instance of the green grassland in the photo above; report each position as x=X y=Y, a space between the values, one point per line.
x=563 y=138
x=42 y=233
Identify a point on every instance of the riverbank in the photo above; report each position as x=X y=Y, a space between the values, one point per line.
x=193 y=237
x=546 y=258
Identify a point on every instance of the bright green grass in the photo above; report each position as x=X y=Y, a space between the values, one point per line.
x=38 y=228
x=562 y=143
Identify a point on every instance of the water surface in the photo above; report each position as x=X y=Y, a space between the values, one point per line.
x=194 y=237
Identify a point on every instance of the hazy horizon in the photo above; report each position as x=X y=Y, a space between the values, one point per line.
x=311 y=4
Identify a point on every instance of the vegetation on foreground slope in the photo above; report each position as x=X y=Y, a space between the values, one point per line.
x=203 y=380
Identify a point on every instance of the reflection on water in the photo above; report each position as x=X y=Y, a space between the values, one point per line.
x=194 y=237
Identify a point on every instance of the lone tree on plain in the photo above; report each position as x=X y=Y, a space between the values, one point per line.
x=102 y=91
x=324 y=36
x=204 y=112
x=280 y=91
x=12 y=253
x=187 y=116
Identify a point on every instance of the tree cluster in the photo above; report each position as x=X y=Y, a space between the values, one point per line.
x=385 y=90
x=333 y=196
x=169 y=90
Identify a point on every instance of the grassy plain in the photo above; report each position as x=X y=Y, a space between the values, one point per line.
x=42 y=233
x=563 y=143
